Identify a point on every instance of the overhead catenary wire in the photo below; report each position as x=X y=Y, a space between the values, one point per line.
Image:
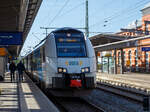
x=61 y=9
x=45 y=5
x=47 y=16
x=59 y=12
x=73 y=8
x=92 y=14
x=108 y=27
x=119 y=13
x=36 y=36
x=132 y=10
x=117 y=16
x=68 y=11
x=128 y=9
x=106 y=4
x=131 y=15
x=130 y=18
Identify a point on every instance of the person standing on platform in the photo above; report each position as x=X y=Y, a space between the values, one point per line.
x=21 y=68
x=8 y=64
x=12 y=68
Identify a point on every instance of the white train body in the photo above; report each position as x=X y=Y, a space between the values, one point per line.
x=64 y=59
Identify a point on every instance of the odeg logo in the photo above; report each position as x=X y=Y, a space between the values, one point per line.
x=73 y=63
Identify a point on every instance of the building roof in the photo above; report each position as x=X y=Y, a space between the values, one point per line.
x=134 y=24
x=101 y=39
x=128 y=43
x=146 y=6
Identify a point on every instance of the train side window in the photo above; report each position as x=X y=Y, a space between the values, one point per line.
x=43 y=54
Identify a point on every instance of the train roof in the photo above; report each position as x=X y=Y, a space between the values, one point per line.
x=36 y=47
x=67 y=30
x=39 y=44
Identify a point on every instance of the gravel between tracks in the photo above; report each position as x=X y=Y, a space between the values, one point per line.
x=113 y=103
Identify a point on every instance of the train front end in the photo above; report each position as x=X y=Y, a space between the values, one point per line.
x=76 y=66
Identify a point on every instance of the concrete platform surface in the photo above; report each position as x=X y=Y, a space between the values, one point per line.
x=23 y=97
x=137 y=79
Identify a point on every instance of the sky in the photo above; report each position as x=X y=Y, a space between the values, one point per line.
x=105 y=16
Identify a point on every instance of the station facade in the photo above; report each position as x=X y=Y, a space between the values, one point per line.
x=136 y=59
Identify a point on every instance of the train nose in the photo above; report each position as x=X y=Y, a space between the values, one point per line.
x=73 y=65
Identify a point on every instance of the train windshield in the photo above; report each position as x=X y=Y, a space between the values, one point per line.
x=70 y=46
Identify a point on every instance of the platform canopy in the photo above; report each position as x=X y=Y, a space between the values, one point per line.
x=127 y=43
x=104 y=42
x=101 y=39
x=17 y=16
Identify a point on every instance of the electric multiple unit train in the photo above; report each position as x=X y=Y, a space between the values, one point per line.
x=65 y=59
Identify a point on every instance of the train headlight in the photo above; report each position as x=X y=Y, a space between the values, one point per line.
x=60 y=70
x=82 y=70
x=64 y=70
x=85 y=70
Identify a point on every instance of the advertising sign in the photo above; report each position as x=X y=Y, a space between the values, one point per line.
x=11 y=38
x=3 y=52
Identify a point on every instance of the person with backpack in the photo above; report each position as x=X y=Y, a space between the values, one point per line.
x=21 y=68
x=12 y=68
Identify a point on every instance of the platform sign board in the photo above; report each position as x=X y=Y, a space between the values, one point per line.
x=11 y=38
x=145 y=48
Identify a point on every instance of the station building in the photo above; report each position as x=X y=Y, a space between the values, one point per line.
x=136 y=59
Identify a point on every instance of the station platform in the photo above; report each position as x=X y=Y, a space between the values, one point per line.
x=23 y=97
x=137 y=80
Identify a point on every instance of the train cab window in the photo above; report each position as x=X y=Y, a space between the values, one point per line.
x=70 y=47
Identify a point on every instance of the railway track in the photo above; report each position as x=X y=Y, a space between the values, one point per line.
x=130 y=93
x=73 y=104
x=76 y=104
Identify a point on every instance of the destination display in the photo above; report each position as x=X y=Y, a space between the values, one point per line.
x=11 y=38
x=69 y=40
